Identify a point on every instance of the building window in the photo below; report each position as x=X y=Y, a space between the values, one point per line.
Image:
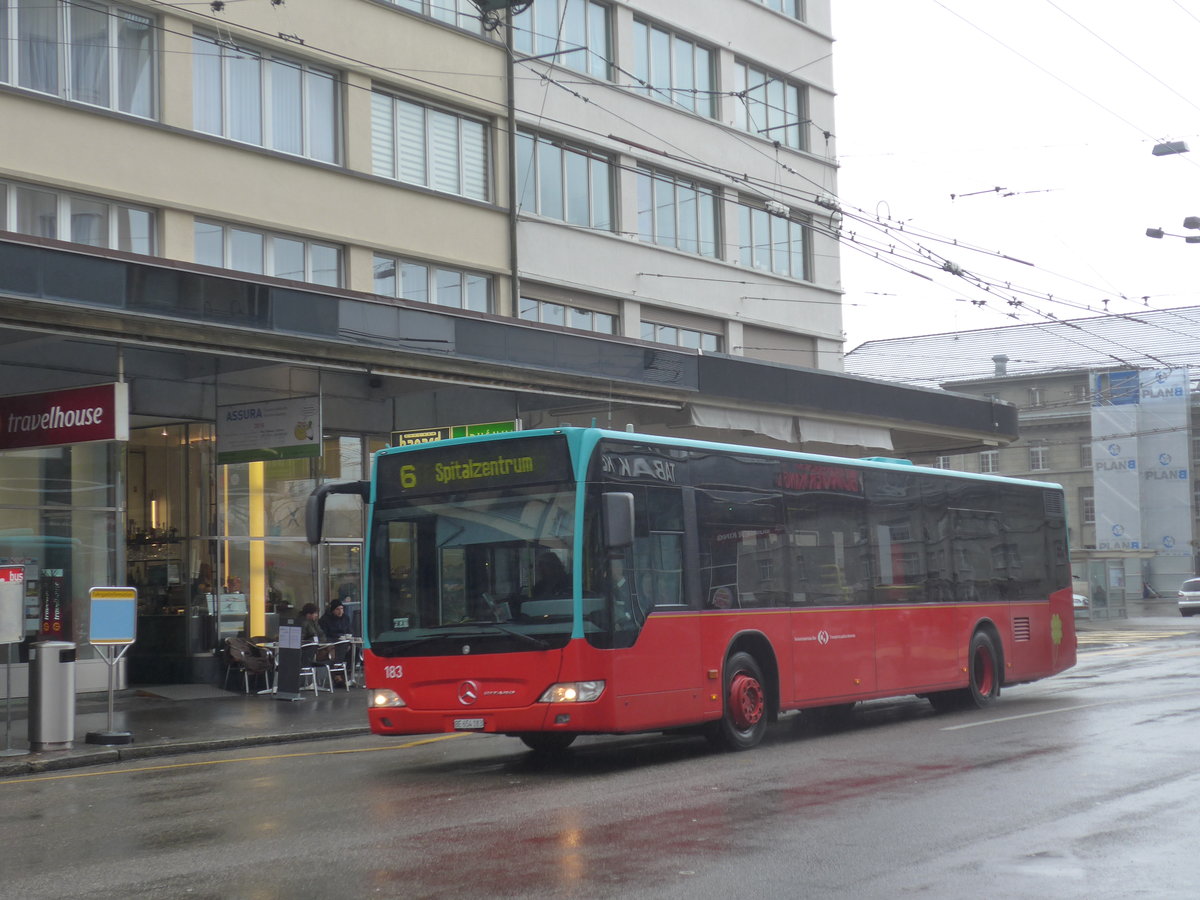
x=1080 y=393
x=676 y=212
x=1085 y=454
x=1036 y=398
x=264 y=253
x=577 y=31
x=431 y=147
x=1087 y=505
x=80 y=219
x=91 y=53
x=681 y=337
x=426 y=283
x=459 y=13
x=533 y=310
x=774 y=243
x=770 y=106
x=673 y=69
x=989 y=461
x=793 y=8
x=256 y=97
x=942 y=462
x=1039 y=455
x=564 y=182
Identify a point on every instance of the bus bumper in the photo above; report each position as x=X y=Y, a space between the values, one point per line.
x=565 y=717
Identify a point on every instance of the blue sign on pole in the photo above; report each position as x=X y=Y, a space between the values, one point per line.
x=114 y=615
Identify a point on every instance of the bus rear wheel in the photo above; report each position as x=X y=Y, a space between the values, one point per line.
x=984 y=665
x=983 y=672
x=744 y=721
x=547 y=742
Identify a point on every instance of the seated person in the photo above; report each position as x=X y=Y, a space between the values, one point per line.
x=335 y=623
x=310 y=628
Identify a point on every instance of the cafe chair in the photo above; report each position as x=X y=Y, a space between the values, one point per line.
x=338 y=662
x=311 y=666
x=240 y=655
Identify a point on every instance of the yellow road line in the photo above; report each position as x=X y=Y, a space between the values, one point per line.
x=221 y=762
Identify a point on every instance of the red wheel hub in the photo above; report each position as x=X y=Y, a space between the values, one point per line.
x=745 y=701
x=985 y=672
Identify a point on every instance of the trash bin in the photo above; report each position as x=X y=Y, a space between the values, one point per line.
x=51 y=695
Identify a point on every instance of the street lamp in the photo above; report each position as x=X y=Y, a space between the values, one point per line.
x=1170 y=148
x=1189 y=222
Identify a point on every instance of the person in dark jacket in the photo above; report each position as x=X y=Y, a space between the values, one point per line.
x=335 y=623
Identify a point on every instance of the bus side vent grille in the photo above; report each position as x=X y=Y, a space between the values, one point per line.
x=1054 y=504
x=1021 y=630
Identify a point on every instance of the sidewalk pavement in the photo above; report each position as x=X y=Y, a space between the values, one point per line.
x=170 y=719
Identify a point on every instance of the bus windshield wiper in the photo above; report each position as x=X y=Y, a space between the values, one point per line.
x=528 y=638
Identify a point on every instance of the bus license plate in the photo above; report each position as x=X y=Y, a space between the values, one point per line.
x=468 y=724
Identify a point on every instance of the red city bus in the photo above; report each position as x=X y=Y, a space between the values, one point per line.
x=546 y=584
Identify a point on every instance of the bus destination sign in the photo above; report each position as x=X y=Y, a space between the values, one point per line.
x=438 y=468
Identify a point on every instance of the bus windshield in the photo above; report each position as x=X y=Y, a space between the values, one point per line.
x=493 y=565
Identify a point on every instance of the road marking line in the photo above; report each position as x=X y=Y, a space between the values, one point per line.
x=1061 y=709
x=19 y=779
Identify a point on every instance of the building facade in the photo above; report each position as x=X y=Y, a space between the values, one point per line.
x=373 y=217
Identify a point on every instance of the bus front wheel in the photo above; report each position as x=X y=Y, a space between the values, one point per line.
x=547 y=742
x=744 y=721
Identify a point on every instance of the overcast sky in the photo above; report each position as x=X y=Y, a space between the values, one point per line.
x=1057 y=102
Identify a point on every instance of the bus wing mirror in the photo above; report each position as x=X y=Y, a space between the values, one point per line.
x=314 y=507
x=618 y=520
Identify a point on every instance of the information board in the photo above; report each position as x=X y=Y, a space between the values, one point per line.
x=113 y=615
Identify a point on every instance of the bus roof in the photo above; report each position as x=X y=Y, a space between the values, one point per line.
x=584 y=439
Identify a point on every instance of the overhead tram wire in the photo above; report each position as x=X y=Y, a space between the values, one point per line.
x=1125 y=56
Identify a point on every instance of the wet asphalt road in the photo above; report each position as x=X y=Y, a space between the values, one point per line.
x=1084 y=785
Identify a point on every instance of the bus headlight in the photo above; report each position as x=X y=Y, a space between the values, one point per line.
x=384 y=698
x=573 y=692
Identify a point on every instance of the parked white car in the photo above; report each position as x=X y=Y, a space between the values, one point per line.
x=1189 y=597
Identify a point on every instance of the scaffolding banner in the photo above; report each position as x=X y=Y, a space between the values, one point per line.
x=1140 y=450
x=1164 y=463
x=1115 y=460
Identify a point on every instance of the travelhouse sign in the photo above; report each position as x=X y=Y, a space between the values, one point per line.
x=72 y=416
